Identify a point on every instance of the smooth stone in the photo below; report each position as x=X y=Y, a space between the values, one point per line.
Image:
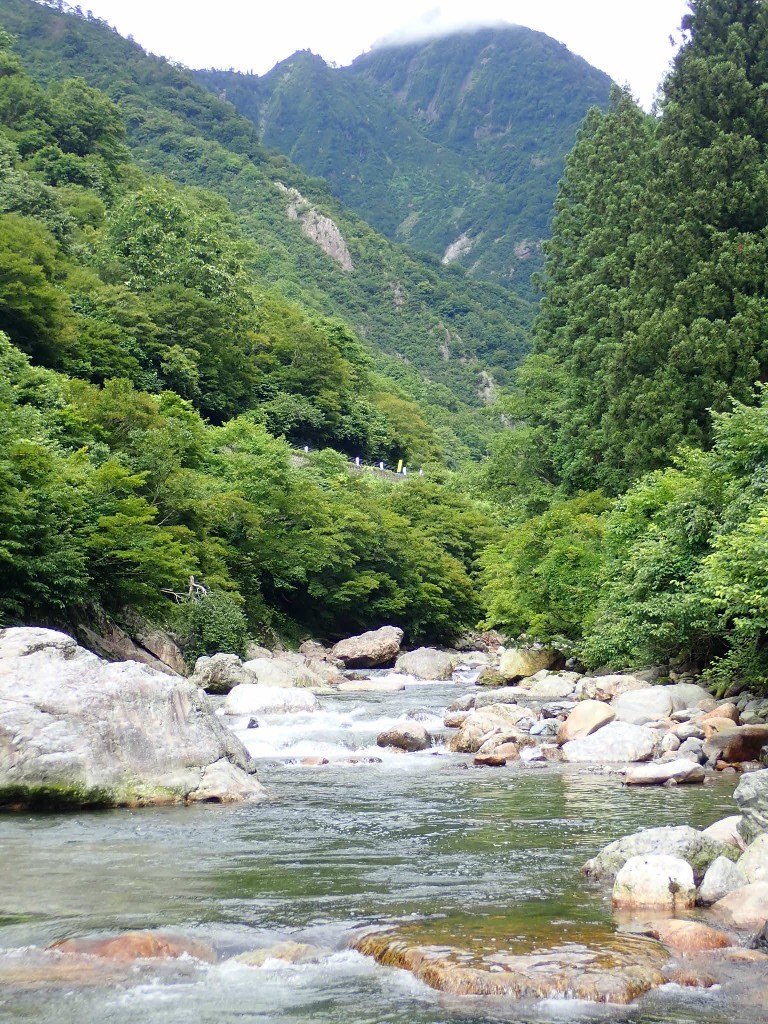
x=745 y=908
x=689 y=731
x=254 y=699
x=723 y=711
x=617 y=741
x=605 y=688
x=553 y=685
x=686 y=695
x=726 y=830
x=411 y=737
x=283 y=670
x=455 y=719
x=722 y=877
x=509 y=751
x=464 y=703
x=679 y=771
x=674 y=840
x=586 y=718
x=638 y=707
x=658 y=881
x=371 y=649
x=670 y=743
x=690 y=936
x=426 y=663
x=754 y=861
x=519 y=663
x=480 y=725
x=489 y=761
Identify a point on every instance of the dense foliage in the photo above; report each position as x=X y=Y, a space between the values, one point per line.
x=146 y=377
x=652 y=336
x=463 y=135
x=432 y=334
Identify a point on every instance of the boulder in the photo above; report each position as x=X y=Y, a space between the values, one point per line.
x=657 y=880
x=409 y=737
x=754 y=861
x=219 y=673
x=587 y=717
x=553 y=685
x=723 y=711
x=490 y=677
x=744 y=908
x=312 y=650
x=690 y=936
x=726 y=830
x=688 y=731
x=712 y=726
x=751 y=795
x=670 y=744
x=254 y=699
x=284 y=670
x=254 y=650
x=691 y=749
x=509 y=695
x=679 y=771
x=377 y=647
x=605 y=688
x=489 y=760
x=519 y=663
x=500 y=719
x=722 y=877
x=143 y=945
x=674 y=840
x=616 y=741
x=426 y=663
x=740 y=743
x=510 y=751
x=455 y=719
x=78 y=731
x=637 y=707
x=465 y=702
x=686 y=695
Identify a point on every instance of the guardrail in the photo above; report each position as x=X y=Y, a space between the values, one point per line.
x=380 y=469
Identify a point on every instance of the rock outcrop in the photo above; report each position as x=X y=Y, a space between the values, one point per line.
x=79 y=731
x=377 y=647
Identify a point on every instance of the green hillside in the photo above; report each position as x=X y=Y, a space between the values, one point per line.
x=459 y=139
x=437 y=336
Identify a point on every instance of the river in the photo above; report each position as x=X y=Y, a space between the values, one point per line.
x=414 y=837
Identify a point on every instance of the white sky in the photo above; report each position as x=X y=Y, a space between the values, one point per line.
x=627 y=38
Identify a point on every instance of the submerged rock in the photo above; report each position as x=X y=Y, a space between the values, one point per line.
x=141 y=945
x=618 y=969
x=377 y=647
x=289 y=952
x=674 y=840
x=389 y=684
x=690 y=936
x=78 y=731
x=657 y=881
x=426 y=663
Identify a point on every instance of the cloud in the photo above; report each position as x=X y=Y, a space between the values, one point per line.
x=434 y=24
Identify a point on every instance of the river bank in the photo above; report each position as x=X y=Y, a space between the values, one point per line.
x=371 y=839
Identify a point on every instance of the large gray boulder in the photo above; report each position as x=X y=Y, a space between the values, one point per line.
x=722 y=877
x=754 y=861
x=409 y=736
x=426 y=663
x=219 y=673
x=256 y=699
x=79 y=731
x=673 y=840
x=751 y=795
x=638 y=707
x=617 y=741
x=607 y=687
x=656 y=880
x=377 y=647
x=521 y=662
x=681 y=771
x=283 y=670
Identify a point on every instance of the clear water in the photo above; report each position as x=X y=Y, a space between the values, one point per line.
x=414 y=837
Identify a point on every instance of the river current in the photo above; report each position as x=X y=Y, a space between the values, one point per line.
x=341 y=846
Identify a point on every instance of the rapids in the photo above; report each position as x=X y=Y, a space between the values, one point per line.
x=344 y=845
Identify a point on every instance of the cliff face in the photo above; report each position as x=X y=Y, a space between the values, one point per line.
x=318 y=228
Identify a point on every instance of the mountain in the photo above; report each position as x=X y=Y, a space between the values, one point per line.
x=453 y=146
x=437 y=336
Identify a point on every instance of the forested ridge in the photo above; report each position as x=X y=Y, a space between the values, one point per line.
x=637 y=476
x=165 y=344
x=148 y=376
x=452 y=145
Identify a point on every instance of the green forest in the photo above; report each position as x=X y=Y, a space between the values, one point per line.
x=169 y=339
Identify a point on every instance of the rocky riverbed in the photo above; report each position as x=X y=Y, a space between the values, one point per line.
x=385 y=845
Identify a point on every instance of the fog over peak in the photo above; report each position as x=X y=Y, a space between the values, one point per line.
x=435 y=24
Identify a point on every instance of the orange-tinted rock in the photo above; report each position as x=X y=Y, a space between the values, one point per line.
x=690 y=936
x=490 y=761
x=139 y=946
x=723 y=711
x=739 y=743
x=716 y=724
x=688 y=977
x=509 y=751
x=314 y=762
